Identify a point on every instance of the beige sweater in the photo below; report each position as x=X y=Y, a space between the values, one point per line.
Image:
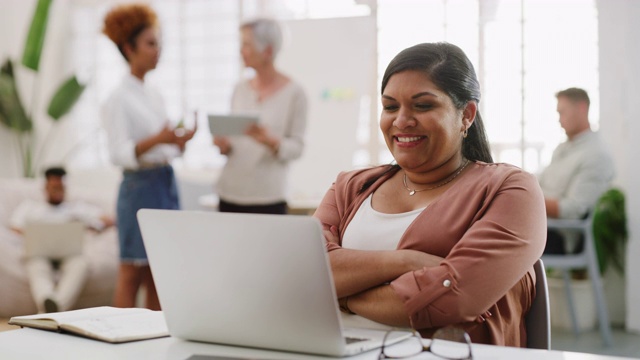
x=253 y=175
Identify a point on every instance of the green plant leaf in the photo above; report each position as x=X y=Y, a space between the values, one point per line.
x=610 y=230
x=65 y=97
x=12 y=113
x=37 y=32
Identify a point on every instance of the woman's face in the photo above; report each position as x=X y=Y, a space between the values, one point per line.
x=251 y=55
x=421 y=126
x=147 y=51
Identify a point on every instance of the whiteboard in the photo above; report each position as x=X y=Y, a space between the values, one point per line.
x=335 y=62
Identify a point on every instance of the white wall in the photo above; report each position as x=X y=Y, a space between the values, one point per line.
x=619 y=91
x=338 y=75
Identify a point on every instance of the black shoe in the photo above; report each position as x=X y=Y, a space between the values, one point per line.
x=50 y=306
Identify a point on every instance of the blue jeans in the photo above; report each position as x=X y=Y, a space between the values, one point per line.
x=153 y=188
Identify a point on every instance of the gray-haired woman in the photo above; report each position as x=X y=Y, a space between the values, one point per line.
x=254 y=179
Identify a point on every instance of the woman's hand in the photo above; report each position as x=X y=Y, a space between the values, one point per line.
x=167 y=135
x=260 y=134
x=183 y=135
x=176 y=136
x=331 y=233
x=223 y=143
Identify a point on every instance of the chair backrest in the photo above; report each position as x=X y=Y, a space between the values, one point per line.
x=537 y=321
x=586 y=258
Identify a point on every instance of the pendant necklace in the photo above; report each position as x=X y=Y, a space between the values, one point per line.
x=413 y=191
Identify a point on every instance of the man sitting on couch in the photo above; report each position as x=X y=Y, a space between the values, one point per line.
x=71 y=271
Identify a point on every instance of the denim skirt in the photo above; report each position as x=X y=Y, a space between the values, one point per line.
x=153 y=188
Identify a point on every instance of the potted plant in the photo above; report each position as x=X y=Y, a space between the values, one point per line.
x=610 y=238
x=12 y=112
x=610 y=230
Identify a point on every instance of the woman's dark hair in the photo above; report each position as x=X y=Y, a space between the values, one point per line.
x=450 y=70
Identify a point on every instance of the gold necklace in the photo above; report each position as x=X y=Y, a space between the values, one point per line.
x=413 y=191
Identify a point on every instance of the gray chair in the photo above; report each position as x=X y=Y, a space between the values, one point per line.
x=537 y=321
x=585 y=259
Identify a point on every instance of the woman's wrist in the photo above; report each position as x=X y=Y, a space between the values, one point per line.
x=274 y=145
x=344 y=305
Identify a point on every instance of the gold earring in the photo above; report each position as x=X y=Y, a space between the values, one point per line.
x=465 y=133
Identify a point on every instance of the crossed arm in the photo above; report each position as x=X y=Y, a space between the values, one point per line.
x=362 y=279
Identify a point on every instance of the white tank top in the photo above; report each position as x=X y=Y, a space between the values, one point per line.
x=372 y=230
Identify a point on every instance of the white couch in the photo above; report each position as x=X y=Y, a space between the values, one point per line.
x=101 y=249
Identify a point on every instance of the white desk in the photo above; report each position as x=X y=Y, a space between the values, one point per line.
x=31 y=344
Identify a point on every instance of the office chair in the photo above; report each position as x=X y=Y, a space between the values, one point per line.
x=537 y=320
x=585 y=259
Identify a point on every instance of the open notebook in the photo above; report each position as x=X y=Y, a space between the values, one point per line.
x=251 y=280
x=110 y=324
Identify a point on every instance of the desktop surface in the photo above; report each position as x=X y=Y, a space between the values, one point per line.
x=19 y=344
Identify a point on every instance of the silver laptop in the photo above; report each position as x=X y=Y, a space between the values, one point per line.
x=54 y=240
x=251 y=280
x=230 y=124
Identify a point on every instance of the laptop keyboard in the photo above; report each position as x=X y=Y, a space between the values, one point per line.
x=351 y=340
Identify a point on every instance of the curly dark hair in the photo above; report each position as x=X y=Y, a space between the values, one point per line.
x=124 y=23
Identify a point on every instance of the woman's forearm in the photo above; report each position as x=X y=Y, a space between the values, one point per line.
x=146 y=144
x=355 y=271
x=380 y=304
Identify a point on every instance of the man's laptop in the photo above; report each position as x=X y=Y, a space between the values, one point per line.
x=250 y=280
x=54 y=240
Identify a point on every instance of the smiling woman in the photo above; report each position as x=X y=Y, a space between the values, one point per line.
x=422 y=127
x=444 y=236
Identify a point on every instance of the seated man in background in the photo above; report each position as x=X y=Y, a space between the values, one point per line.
x=581 y=169
x=71 y=271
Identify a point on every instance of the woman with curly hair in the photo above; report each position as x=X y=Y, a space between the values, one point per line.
x=142 y=142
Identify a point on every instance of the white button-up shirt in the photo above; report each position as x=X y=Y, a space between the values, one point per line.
x=133 y=112
x=581 y=170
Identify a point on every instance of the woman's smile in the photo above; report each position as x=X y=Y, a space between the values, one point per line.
x=403 y=140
